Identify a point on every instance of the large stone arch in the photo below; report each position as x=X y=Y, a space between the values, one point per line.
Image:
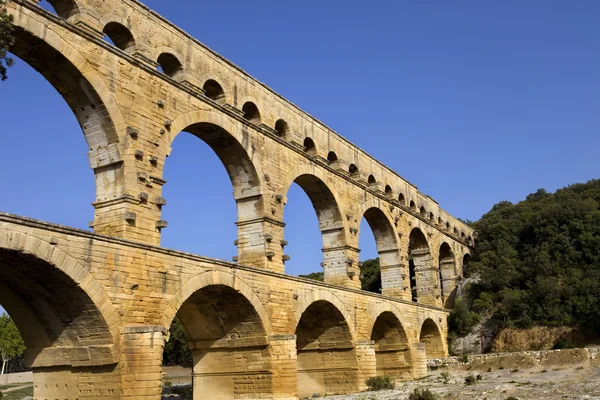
x=424 y=276
x=61 y=310
x=332 y=224
x=228 y=333
x=392 y=348
x=430 y=334
x=393 y=272
x=212 y=278
x=326 y=355
x=79 y=84
x=448 y=274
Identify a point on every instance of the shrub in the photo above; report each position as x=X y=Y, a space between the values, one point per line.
x=479 y=377
x=464 y=359
x=379 y=383
x=470 y=380
x=511 y=398
x=461 y=320
x=168 y=384
x=1 y=395
x=445 y=376
x=422 y=394
x=564 y=343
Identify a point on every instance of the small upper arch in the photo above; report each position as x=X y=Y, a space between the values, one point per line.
x=353 y=170
x=413 y=206
x=422 y=211
x=310 y=147
x=169 y=64
x=388 y=191
x=402 y=199
x=332 y=157
x=282 y=128
x=120 y=36
x=64 y=8
x=214 y=91
x=251 y=112
x=371 y=180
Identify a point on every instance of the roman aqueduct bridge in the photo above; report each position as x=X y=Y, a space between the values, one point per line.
x=95 y=308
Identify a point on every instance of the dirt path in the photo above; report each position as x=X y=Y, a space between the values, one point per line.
x=13 y=389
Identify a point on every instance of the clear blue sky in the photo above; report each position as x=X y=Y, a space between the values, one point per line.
x=473 y=101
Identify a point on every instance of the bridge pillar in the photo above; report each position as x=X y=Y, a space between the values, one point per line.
x=365 y=355
x=141 y=370
x=418 y=360
x=284 y=366
x=395 y=281
x=341 y=266
x=427 y=278
x=260 y=243
x=449 y=281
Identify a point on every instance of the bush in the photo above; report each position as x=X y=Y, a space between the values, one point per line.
x=445 y=376
x=464 y=359
x=564 y=343
x=461 y=320
x=470 y=380
x=422 y=394
x=379 y=383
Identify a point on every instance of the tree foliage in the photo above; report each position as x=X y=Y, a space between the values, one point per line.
x=177 y=351
x=539 y=260
x=6 y=40
x=11 y=343
x=316 y=276
x=370 y=272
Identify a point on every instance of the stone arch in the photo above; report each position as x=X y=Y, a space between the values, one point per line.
x=388 y=248
x=226 y=137
x=310 y=147
x=322 y=295
x=58 y=306
x=65 y=8
x=228 y=333
x=282 y=128
x=120 y=35
x=215 y=278
x=353 y=170
x=465 y=264
x=214 y=91
x=448 y=274
x=431 y=336
x=85 y=93
x=170 y=64
x=424 y=279
x=251 y=112
x=391 y=345
x=331 y=222
x=325 y=344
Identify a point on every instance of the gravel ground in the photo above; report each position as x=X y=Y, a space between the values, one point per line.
x=567 y=382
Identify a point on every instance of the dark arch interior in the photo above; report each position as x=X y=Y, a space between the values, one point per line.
x=281 y=127
x=392 y=354
x=323 y=338
x=169 y=64
x=226 y=337
x=332 y=157
x=214 y=91
x=353 y=169
x=251 y=112
x=465 y=265
x=371 y=180
x=432 y=338
x=120 y=36
x=310 y=147
x=413 y=206
x=62 y=8
x=419 y=257
x=49 y=309
x=401 y=199
x=81 y=97
x=388 y=191
x=422 y=211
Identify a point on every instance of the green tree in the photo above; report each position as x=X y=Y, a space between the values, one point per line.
x=370 y=272
x=6 y=40
x=317 y=276
x=177 y=351
x=11 y=343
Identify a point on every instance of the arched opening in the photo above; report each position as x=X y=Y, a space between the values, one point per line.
x=455 y=231
x=44 y=151
x=282 y=128
x=353 y=170
x=401 y=199
x=302 y=243
x=227 y=339
x=214 y=91
x=419 y=265
x=169 y=65
x=431 y=216
x=331 y=157
x=120 y=36
x=388 y=191
x=62 y=8
x=465 y=265
x=200 y=208
x=413 y=206
x=432 y=338
x=447 y=275
x=440 y=222
x=372 y=182
x=327 y=362
x=447 y=226
x=422 y=211
x=57 y=319
x=387 y=252
x=251 y=112
x=309 y=147
x=462 y=235
x=470 y=240
x=392 y=355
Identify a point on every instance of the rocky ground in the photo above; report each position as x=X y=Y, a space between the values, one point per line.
x=578 y=381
